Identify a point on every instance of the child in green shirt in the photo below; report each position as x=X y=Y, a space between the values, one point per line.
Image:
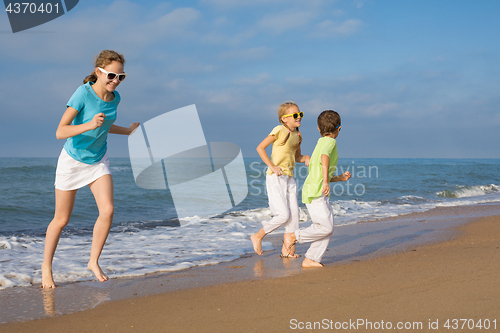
x=316 y=191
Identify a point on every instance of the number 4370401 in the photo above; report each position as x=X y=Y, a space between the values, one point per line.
x=461 y=324
x=32 y=8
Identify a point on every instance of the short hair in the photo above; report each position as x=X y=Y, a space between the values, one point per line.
x=328 y=122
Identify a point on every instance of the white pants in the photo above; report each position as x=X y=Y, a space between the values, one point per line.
x=320 y=232
x=282 y=195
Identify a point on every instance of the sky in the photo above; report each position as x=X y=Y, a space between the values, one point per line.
x=410 y=79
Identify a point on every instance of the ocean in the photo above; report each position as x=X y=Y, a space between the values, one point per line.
x=147 y=236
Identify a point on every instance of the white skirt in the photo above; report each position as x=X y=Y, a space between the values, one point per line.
x=72 y=174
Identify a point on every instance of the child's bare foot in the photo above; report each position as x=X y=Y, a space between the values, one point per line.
x=257 y=243
x=286 y=254
x=308 y=263
x=96 y=269
x=289 y=241
x=47 y=279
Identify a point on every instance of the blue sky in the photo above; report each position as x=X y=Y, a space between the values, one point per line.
x=409 y=78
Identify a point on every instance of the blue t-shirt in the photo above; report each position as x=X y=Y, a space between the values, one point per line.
x=90 y=147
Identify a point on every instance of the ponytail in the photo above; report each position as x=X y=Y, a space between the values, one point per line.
x=90 y=78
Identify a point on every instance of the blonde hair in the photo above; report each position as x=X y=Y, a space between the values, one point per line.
x=283 y=110
x=102 y=60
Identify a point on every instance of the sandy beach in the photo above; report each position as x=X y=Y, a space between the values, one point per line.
x=433 y=285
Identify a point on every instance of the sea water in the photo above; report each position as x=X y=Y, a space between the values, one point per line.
x=147 y=237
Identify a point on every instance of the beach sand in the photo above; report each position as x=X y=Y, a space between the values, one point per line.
x=413 y=284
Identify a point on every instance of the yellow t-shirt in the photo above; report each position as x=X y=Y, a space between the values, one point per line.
x=283 y=154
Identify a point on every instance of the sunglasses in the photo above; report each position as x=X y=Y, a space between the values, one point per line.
x=338 y=128
x=111 y=76
x=295 y=115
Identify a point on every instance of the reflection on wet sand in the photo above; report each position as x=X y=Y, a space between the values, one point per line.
x=70 y=298
x=258 y=268
x=49 y=304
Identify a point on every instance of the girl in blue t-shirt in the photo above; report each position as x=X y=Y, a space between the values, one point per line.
x=88 y=119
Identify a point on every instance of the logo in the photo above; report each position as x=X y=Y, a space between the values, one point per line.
x=26 y=15
x=170 y=152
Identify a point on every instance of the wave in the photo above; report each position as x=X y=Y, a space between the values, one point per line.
x=28 y=169
x=468 y=191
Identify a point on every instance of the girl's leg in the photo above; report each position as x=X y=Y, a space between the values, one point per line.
x=278 y=201
x=277 y=195
x=288 y=249
x=65 y=201
x=293 y=206
x=102 y=189
x=257 y=241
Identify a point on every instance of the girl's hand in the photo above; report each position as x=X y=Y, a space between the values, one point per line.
x=133 y=127
x=345 y=176
x=97 y=121
x=306 y=160
x=326 y=189
x=277 y=170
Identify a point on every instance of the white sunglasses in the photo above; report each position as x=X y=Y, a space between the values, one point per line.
x=111 y=76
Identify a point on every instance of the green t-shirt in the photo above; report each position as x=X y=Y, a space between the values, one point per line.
x=314 y=181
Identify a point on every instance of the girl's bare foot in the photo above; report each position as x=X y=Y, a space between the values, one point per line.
x=286 y=254
x=289 y=241
x=308 y=263
x=257 y=243
x=96 y=269
x=47 y=279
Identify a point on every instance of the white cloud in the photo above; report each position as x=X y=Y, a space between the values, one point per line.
x=122 y=25
x=379 y=109
x=242 y=3
x=190 y=65
x=176 y=21
x=331 y=28
x=220 y=21
x=281 y=22
x=315 y=106
x=253 y=53
x=216 y=37
x=256 y=80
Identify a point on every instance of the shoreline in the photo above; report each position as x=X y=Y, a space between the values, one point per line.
x=358 y=243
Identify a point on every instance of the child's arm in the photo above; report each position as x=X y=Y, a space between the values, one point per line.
x=299 y=158
x=325 y=168
x=261 y=149
x=66 y=130
x=341 y=178
x=114 y=129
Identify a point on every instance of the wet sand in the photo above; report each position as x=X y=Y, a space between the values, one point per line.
x=402 y=269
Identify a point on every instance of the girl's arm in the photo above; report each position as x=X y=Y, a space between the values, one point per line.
x=299 y=158
x=114 y=129
x=261 y=149
x=66 y=130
